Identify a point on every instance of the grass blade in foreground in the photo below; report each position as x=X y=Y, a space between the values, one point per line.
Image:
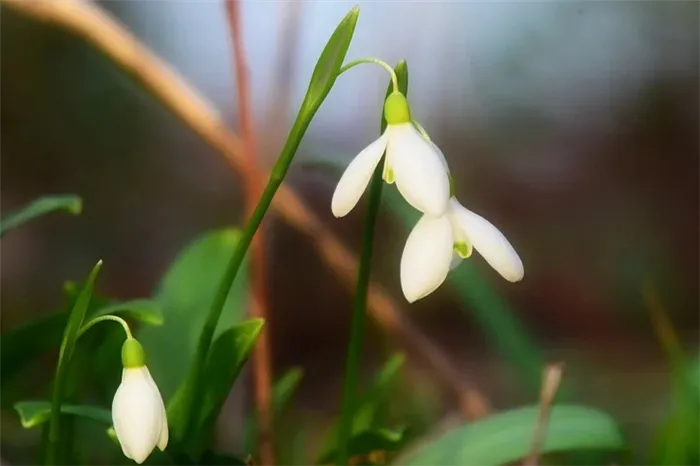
x=506 y=437
x=322 y=80
x=70 y=335
x=39 y=207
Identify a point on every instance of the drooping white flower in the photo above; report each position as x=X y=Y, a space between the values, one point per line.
x=437 y=244
x=415 y=164
x=138 y=411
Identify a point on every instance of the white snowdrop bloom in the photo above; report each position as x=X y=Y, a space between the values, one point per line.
x=414 y=163
x=138 y=411
x=437 y=244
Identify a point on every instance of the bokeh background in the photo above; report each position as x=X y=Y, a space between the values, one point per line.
x=572 y=126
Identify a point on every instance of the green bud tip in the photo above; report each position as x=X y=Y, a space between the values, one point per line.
x=132 y=354
x=396 y=109
x=452 y=185
x=463 y=249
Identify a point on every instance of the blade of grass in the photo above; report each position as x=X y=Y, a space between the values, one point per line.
x=70 y=335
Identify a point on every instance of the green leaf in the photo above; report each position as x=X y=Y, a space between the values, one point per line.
x=329 y=63
x=184 y=294
x=507 y=436
x=22 y=346
x=34 y=413
x=228 y=354
x=70 y=335
x=369 y=441
x=284 y=388
x=42 y=206
x=371 y=401
x=282 y=391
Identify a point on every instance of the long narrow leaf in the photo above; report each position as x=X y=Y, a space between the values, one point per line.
x=42 y=206
x=70 y=335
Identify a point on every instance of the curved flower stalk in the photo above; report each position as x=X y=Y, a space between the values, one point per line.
x=138 y=411
x=438 y=244
x=414 y=163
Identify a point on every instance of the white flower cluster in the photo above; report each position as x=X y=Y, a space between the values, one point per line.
x=447 y=231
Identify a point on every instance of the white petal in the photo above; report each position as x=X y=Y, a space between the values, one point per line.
x=489 y=242
x=164 y=434
x=419 y=170
x=163 y=437
x=356 y=177
x=438 y=151
x=426 y=257
x=137 y=413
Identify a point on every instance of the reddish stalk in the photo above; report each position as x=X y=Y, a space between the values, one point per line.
x=262 y=372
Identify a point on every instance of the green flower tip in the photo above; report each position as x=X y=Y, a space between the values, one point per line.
x=132 y=354
x=452 y=185
x=396 y=110
x=463 y=249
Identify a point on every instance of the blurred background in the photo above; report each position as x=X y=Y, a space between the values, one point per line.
x=572 y=126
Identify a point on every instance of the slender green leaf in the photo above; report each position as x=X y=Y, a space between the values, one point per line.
x=282 y=391
x=184 y=294
x=374 y=398
x=678 y=440
x=329 y=63
x=507 y=436
x=369 y=441
x=70 y=335
x=284 y=388
x=228 y=354
x=34 y=413
x=42 y=206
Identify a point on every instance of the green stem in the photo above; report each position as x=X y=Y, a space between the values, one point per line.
x=276 y=177
x=110 y=317
x=375 y=61
x=358 y=318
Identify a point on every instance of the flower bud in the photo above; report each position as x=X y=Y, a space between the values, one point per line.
x=138 y=411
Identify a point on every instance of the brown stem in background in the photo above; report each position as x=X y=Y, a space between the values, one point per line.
x=550 y=384
x=262 y=371
x=89 y=22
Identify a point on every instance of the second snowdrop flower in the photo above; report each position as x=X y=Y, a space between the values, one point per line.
x=138 y=411
x=415 y=164
x=437 y=244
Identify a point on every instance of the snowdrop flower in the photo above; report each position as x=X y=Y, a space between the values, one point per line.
x=437 y=244
x=415 y=164
x=138 y=411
